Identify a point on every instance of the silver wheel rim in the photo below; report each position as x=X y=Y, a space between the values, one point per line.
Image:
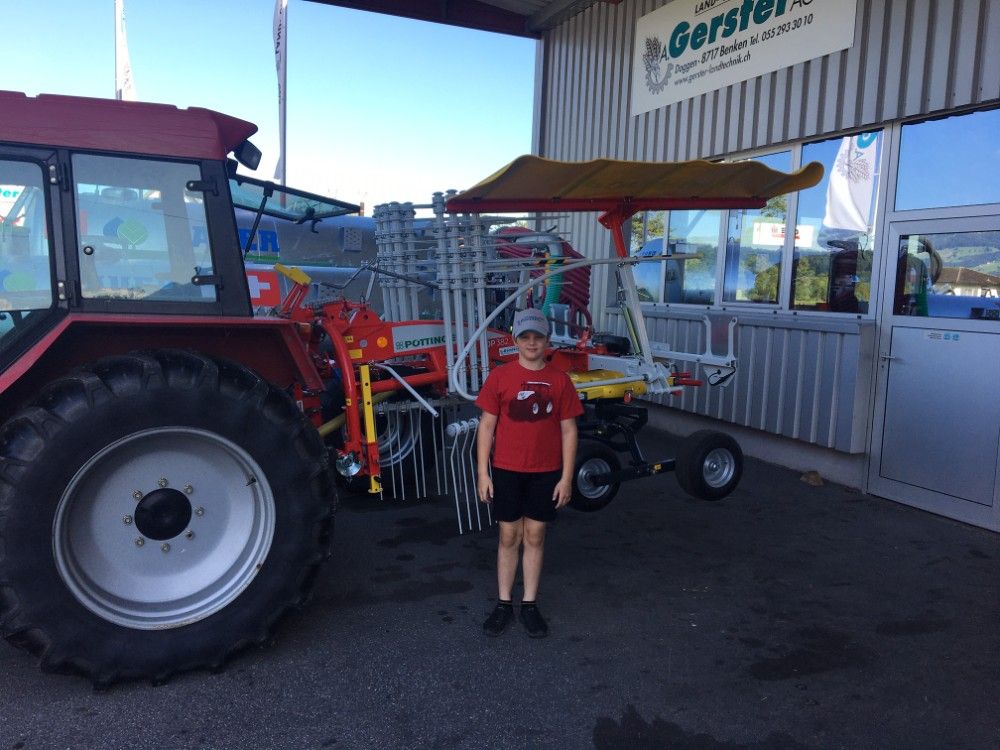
x=585 y=484
x=149 y=581
x=719 y=467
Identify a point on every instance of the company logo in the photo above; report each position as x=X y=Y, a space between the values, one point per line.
x=656 y=76
x=421 y=343
x=855 y=163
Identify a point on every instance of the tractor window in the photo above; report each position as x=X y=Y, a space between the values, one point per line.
x=25 y=269
x=141 y=231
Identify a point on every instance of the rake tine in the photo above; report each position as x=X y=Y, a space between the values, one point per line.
x=453 y=432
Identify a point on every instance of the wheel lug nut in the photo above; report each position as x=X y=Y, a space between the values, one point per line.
x=199 y=511
x=188 y=489
x=162 y=482
x=126 y=520
x=139 y=542
x=137 y=495
x=189 y=535
x=165 y=547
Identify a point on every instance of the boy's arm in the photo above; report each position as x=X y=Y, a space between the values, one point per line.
x=484 y=443
x=564 y=489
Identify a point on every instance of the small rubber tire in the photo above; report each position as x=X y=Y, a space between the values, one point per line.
x=59 y=576
x=593 y=457
x=709 y=465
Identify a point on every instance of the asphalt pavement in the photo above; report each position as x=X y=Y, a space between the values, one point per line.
x=786 y=616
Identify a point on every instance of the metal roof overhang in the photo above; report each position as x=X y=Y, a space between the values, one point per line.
x=527 y=18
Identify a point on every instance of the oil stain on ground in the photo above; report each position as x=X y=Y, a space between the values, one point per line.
x=912 y=626
x=437 y=532
x=819 y=650
x=635 y=733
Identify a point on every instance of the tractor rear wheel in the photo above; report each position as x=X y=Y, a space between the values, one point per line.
x=158 y=513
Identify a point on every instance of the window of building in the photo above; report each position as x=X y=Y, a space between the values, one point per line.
x=693 y=238
x=953 y=161
x=141 y=230
x=949 y=275
x=755 y=242
x=647 y=239
x=832 y=260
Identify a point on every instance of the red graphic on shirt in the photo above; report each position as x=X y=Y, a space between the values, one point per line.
x=532 y=402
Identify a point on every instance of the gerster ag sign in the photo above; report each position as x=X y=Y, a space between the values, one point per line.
x=687 y=48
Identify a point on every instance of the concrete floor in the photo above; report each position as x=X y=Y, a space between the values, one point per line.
x=786 y=616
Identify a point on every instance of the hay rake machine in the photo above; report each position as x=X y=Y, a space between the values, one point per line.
x=450 y=285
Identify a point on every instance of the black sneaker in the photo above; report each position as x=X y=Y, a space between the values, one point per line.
x=499 y=619
x=533 y=621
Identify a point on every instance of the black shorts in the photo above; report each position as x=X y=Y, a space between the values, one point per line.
x=524 y=493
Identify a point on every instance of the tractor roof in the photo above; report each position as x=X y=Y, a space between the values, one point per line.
x=125 y=127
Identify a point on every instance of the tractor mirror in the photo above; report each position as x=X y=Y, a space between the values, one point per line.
x=248 y=155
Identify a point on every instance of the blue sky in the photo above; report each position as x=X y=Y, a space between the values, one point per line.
x=379 y=108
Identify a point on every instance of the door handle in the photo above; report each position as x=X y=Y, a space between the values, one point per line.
x=887 y=356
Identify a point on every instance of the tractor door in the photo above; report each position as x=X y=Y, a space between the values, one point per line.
x=31 y=298
x=155 y=236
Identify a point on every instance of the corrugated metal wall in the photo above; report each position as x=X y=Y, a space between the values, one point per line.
x=803 y=380
x=806 y=380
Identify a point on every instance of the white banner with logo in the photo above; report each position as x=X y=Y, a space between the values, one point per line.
x=690 y=47
x=852 y=183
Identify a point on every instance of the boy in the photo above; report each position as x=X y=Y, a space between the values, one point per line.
x=532 y=408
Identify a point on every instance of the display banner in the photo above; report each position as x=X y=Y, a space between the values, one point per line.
x=852 y=184
x=124 y=83
x=690 y=47
x=279 y=28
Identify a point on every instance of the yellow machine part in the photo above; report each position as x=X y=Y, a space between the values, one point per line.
x=293 y=273
x=617 y=390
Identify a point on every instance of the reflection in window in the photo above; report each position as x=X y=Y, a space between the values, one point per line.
x=754 y=245
x=949 y=162
x=832 y=263
x=25 y=269
x=949 y=275
x=142 y=232
x=693 y=238
x=648 y=240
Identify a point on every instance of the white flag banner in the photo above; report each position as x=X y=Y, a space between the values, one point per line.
x=124 y=85
x=280 y=27
x=852 y=182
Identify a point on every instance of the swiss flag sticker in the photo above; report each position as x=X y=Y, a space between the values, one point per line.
x=264 y=288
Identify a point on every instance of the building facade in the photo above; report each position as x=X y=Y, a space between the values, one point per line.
x=867 y=308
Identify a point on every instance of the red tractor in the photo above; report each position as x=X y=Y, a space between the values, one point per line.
x=159 y=442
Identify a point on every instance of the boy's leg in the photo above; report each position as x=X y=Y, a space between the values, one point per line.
x=511 y=533
x=531 y=564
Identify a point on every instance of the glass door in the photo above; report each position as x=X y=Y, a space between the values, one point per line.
x=936 y=435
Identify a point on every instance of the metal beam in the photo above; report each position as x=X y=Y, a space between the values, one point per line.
x=470 y=14
x=558 y=11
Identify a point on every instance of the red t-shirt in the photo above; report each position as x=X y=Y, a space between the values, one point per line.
x=530 y=404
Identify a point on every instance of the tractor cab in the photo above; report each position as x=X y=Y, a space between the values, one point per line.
x=114 y=207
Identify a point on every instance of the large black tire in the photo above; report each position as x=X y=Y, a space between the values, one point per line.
x=709 y=465
x=216 y=471
x=593 y=457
